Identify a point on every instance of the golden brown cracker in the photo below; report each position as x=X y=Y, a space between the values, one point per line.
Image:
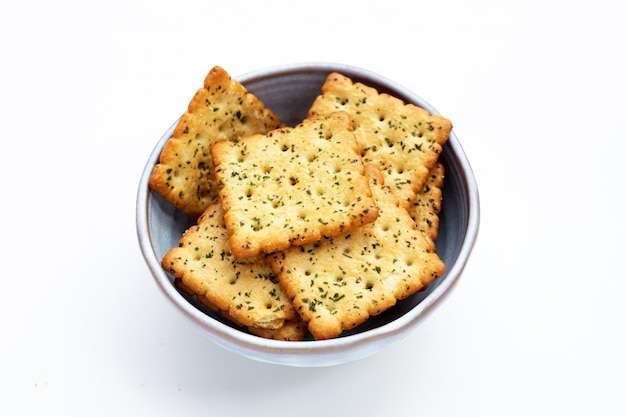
x=337 y=283
x=292 y=186
x=247 y=292
x=403 y=139
x=222 y=110
x=427 y=206
x=292 y=330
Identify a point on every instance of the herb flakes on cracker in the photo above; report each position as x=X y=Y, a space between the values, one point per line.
x=292 y=186
x=222 y=110
x=338 y=283
x=245 y=292
x=403 y=139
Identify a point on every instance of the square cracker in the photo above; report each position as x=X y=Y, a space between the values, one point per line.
x=292 y=186
x=427 y=206
x=222 y=110
x=338 y=283
x=291 y=330
x=246 y=292
x=403 y=139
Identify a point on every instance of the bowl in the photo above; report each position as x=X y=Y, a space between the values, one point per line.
x=289 y=90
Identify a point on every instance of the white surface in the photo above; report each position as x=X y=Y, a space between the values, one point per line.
x=536 y=93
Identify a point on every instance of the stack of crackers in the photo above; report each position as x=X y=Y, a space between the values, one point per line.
x=307 y=229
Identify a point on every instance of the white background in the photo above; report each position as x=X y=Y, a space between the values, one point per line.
x=535 y=90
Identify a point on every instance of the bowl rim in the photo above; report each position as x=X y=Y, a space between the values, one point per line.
x=316 y=352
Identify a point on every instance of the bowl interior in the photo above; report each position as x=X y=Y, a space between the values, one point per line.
x=289 y=92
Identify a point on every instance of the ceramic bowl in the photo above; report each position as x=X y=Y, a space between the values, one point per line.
x=289 y=91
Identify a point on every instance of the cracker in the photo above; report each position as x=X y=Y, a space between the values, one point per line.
x=292 y=330
x=427 y=206
x=403 y=139
x=339 y=282
x=292 y=186
x=246 y=292
x=222 y=110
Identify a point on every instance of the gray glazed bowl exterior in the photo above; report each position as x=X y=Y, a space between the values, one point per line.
x=289 y=90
